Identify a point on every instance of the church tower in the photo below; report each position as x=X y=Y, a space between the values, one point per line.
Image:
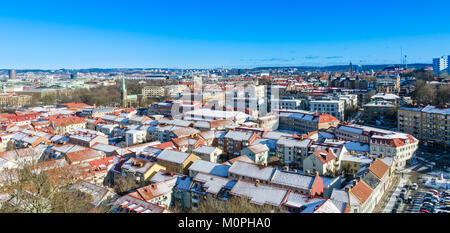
x=123 y=93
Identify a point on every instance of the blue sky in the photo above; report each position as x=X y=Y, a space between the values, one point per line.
x=214 y=33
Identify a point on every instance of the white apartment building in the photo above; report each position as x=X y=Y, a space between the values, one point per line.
x=133 y=137
x=332 y=107
x=401 y=147
x=290 y=104
x=153 y=91
x=440 y=65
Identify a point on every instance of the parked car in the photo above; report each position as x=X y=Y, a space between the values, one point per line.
x=414 y=186
x=430 y=195
x=409 y=200
x=424 y=211
x=434 y=191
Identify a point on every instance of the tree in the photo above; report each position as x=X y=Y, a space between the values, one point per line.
x=124 y=184
x=443 y=95
x=234 y=205
x=31 y=190
x=369 y=95
x=424 y=93
x=421 y=74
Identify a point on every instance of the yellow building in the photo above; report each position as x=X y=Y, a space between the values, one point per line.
x=7 y=99
x=142 y=170
x=176 y=161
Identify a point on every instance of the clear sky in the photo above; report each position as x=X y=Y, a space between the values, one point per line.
x=207 y=34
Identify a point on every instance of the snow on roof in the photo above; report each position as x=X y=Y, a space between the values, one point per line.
x=356 y=158
x=239 y=135
x=430 y=109
x=137 y=165
x=217 y=114
x=210 y=168
x=205 y=150
x=213 y=184
x=251 y=170
x=290 y=142
x=173 y=156
x=277 y=135
x=163 y=175
x=259 y=194
x=68 y=148
x=342 y=195
x=108 y=117
x=327 y=207
x=202 y=124
x=258 y=148
x=297 y=200
x=105 y=147
x=387 y=96
x=293 y=180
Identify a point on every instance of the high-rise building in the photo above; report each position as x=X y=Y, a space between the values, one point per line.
x=440 y=65
x=73 y=75
x=12 y=74
x=350 y=68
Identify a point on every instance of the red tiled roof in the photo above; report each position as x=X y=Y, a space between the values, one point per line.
x=83 y=155
x=379 y=168
x=62 y=122
x=324 y=156
x=361 y=191
x=324 y=118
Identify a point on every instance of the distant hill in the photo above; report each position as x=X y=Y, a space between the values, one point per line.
x=344 y=68
x=335 y=68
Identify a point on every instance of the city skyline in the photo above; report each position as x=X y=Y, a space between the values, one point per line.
x=75 y=35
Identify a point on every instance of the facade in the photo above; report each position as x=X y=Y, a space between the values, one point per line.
x=141 y=170
x=304 y=121
x=388 y=83
x=290 y=104
x=153 y=91
x=430 y=124
x=440 y=65
x=258 y=153
x=234 y=141
x=208 y=153
x=332 y=107
x=133 y=137
x=322 y=161
x=68 y=125
x=7 y=99
x=176 y=161
x=293 y=151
